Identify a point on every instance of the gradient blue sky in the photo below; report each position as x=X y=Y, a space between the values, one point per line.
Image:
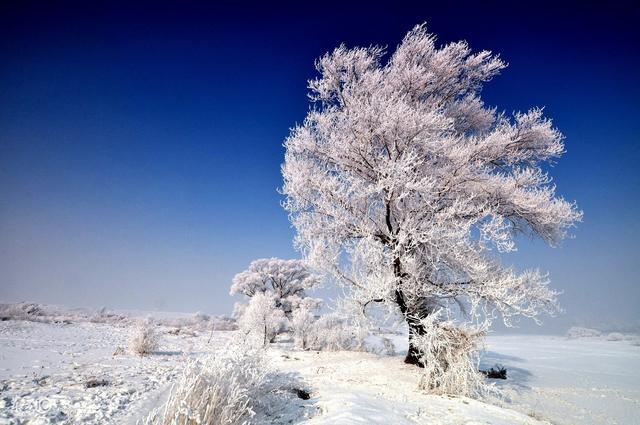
x=140 y=145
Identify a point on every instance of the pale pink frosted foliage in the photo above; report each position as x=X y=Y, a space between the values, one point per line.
x=403 y=185
x=286 y=280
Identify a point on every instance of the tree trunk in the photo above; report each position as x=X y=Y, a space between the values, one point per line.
x=415 y=329
x=412 y=317
x=264 y=342
x=412 y=313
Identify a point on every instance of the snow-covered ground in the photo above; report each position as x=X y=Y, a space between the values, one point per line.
x=45 y=369
x=570 y=381
x=363 y=388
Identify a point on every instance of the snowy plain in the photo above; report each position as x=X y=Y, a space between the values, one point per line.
x=80 y=372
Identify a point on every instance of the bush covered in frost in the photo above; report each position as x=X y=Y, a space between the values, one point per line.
x=222 y=389
x=334 y=332
x=450 y=357
x=579 y=332
x=615 y=336
x=233 y=386
x=21 y=311
x=144 y=338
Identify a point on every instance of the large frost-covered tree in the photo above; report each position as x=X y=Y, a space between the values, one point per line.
x=404 y=186
x=287 y=281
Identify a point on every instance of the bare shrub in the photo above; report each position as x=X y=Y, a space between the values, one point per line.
x=495 y=372
x=222 y=389
x=94 y=382
x=449 y=355
x=144 y=339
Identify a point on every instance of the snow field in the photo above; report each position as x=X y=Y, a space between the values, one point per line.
x=45 y=369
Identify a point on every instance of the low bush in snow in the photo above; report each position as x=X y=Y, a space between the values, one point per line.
x=579 y=332
x=60 y=315
x=615 y=336
x=221 y=389
x=21 y=311
x=144 y=339
x=379 y=344
x=450 y=356
x=233 y=386
x=496 y=372
x=201 y=317
x=334 y=332
x=199 y=322
x=387 y=348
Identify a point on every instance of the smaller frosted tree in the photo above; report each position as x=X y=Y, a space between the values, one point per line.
x=262 y=319
x=303 y=319
x=286 y=280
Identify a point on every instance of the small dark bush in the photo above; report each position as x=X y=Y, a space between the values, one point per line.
x=302 y=394
x=497 y=372
x=92 y=383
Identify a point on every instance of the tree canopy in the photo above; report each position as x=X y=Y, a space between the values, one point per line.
x=404 y=186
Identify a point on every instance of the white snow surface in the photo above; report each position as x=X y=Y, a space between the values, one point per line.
x=44 y=368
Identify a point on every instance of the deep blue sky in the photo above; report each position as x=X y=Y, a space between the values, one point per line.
x=140 y=145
